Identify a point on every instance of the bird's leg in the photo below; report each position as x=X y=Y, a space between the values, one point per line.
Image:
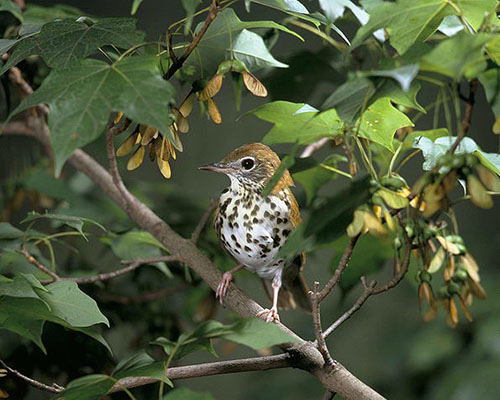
x=227 y=277
x=272 y=314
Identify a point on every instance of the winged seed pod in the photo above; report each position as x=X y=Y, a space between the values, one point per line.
x=488 y=178
x=129 y=144
x=213 y=111
x=212 y=88
x=254 y=85
x=136 y=159
x=478 y=194
x=187 y=105
x=180 y=121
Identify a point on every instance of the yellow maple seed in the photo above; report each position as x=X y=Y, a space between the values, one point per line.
x=127 y=146
x=448 y=246
x=488 y=178
x=213 y=111
x=449 y=270
x=478 y=193
x=163 y=150
x=254 y=85
x=476 y=289
x=164 y=168
x=118 y=117
x=181 y=121
x=437 y=261
x=136 y=159
x=496 y=126
x=187 y=105
x=148 y=134
x=393 y=199
x=373 y=224
x=471 y=268
x=453 y=311
x=172 y=150
x=212 y=88
x=357 y=224
x=464 y=308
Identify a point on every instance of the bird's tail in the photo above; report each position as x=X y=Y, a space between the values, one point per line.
x=294 y=291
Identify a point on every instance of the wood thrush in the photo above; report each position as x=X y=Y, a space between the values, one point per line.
x=252 y=228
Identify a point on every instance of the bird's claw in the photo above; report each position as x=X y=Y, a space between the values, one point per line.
x=269 y=315
x=221 y=291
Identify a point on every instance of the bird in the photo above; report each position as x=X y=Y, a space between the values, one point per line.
x=252 y=227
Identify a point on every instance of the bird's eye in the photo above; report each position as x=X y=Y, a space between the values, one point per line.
x=247 y=163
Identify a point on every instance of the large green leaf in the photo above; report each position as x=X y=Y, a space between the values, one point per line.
x=403 y=75
x=141 y=364
x=68 y=303
x=82 y=97
x=461 y=55
x=490 y=80
x=349 y=98
x=297 y=122
x=22 y=48
x=475 y=10
x=284 y=5
x=90 y=387
x=397 y=95
x=218 y=42
x=36 y=15
x=65 y=41
x=406 y=21
x=185 y=393
x=380 y=121
x=249 y=48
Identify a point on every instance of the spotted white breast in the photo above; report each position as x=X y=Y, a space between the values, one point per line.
x=253 y=228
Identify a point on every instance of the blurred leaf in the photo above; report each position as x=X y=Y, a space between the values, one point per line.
x=90 y=387
x=65 y=41
x=284 y=5
x=7 y=231
x=403 y=75
x=5 y=45
x=431 y=134
x=74 y=222
x=73 y=306
x=135 y=6
x=475 y=10
x=257 y=334
x=190 y=7
x=141 y=364
x=349 y=98
x=218 y=42
x=451 y=25
x=24 y=47
x=380 y=121
x=36 y=15
x=406 y=21
x=184 y=393
x=397 y=95
x=461 y=55
x=132 y=85
x=249 y=48
x=297 y=122
x=490 y=80
x=11 y=7
x=369 y=257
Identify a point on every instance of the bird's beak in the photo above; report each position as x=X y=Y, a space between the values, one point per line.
x=216 y=167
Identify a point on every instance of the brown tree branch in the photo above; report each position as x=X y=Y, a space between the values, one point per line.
x=367 y=292
x=346 y=257
x=469 y=105
x=54 y=388
x=314 y=147
x=32 y=260
x=178 y=62
x=318 y=332
x=208 y=369
x=195 y=236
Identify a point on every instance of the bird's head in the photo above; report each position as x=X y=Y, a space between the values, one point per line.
x=251 y=164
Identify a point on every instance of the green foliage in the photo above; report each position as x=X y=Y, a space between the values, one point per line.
x=132 y=85
x=187 y=394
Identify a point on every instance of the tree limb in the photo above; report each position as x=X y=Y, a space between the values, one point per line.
x=208 y=369
x=178 y=62
x=54 y=388
x=318 y=332
x=314 y=147
x=32 y=260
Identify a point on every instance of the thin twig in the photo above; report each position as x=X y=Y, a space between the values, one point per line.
x=314 y=147
x=195 y=236
x=340 y=268
x=208 y=369
x=367 y=292
x=469 y=105
x=177 y=63
x=39 y=265
x=152 y=260
x=318 y=332
x=143 y=298
x=54 y=388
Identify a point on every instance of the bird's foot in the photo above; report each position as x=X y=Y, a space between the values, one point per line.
x=221 y=291
x=269 y=315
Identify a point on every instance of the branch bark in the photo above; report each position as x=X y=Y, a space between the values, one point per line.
x=54 y=388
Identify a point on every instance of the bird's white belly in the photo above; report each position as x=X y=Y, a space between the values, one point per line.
x=253 y=235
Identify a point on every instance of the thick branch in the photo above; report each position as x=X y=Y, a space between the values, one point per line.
x=178 y=62
x=54 y=388
x=469 y=105
x=215 y=368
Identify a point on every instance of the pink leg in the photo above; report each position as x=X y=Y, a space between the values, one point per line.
x=227 y=277
x=272 y=314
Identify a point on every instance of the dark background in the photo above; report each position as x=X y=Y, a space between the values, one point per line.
x=386 y=344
